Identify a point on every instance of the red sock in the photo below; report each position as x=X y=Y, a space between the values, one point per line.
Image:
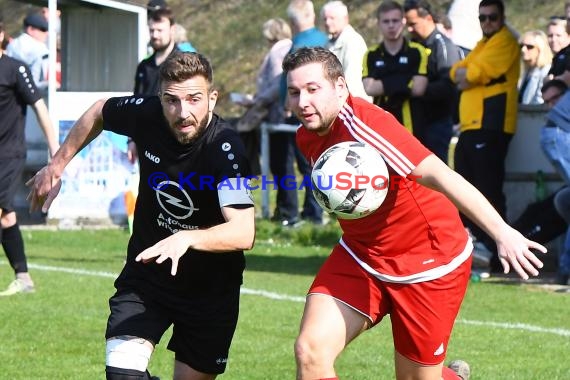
x=449 y=374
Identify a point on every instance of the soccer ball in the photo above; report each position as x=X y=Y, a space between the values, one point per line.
x=350 y=180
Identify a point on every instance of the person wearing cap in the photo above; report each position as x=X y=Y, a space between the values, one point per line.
x=155 y=5
x=30 y=47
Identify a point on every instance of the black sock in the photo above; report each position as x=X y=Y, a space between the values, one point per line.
x=114 y=373
x=13 y=245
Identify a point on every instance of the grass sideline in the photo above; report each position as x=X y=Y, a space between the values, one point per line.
x=505 y=330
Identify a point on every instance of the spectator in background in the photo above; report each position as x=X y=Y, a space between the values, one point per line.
x=178 y=31
x=561 y=62
x=555 y=143
x=395 y=71
x=283 y=148
x=181 y=39
x=155 y=5
x=30 y=47
x=552 y=91
x=445 y=26
x=160 y=27
x=441 y=95
x=536 y=58
x=17 y=90
x=347 y=44
x=557 y=34
x=488 y=108
x=265 y=105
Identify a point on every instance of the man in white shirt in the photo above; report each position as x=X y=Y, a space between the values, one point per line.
x=30 y=47
x=347 y=44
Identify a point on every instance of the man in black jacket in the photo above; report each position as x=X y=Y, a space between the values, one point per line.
x=160 y=28
x=441 y=96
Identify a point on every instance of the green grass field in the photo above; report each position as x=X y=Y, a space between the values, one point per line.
x=505 y=330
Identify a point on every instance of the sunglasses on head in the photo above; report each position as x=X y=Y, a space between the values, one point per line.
x=527 y=46
x=492 y=17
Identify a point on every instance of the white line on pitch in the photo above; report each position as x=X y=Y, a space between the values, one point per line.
x=84 y=272
x=284 y=297
x=516 y=326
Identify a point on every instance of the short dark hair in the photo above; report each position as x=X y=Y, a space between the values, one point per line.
x=444 y=20
x=162 y=13
x=387 y=6
x=498 y=3
x=306 y=55
x=180 y=66
x=421 y=6
x=554 y=83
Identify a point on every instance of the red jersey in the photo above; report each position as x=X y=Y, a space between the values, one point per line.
x=416 y=234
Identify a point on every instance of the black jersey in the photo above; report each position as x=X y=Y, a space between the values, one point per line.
x=147 y=75
x=560 y=62
x=441 y=96
x=396 y=72
x=17 y=90
x=178 y=190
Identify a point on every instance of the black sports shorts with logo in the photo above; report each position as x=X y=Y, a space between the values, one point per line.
x=203 y=325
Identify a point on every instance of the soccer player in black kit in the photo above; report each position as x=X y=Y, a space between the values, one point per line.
x=17 y=90
x=193 y=208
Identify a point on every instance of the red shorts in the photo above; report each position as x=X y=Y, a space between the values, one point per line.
x=422 y=314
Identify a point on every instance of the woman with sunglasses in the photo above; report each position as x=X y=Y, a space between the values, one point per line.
x=536 y=58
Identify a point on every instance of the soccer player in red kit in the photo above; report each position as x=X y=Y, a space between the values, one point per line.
x=411 y=258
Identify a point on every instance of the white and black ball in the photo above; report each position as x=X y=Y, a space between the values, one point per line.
x=350 y=179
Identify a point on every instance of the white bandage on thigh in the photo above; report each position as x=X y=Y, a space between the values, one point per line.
x=128 y=354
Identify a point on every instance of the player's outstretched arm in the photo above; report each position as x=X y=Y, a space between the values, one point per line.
x=513 y=248
x=45 y=184
x=236 y=234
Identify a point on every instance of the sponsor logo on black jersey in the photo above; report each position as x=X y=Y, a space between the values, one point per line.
x=152 y=157
x=174 y=200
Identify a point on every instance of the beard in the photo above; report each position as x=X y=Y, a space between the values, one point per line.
x=322 y=126
x=325 y=125
x=187 y=138
x=158 y=46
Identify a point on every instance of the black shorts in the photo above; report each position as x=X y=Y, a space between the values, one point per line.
x=10 y=179
x=203 y=325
